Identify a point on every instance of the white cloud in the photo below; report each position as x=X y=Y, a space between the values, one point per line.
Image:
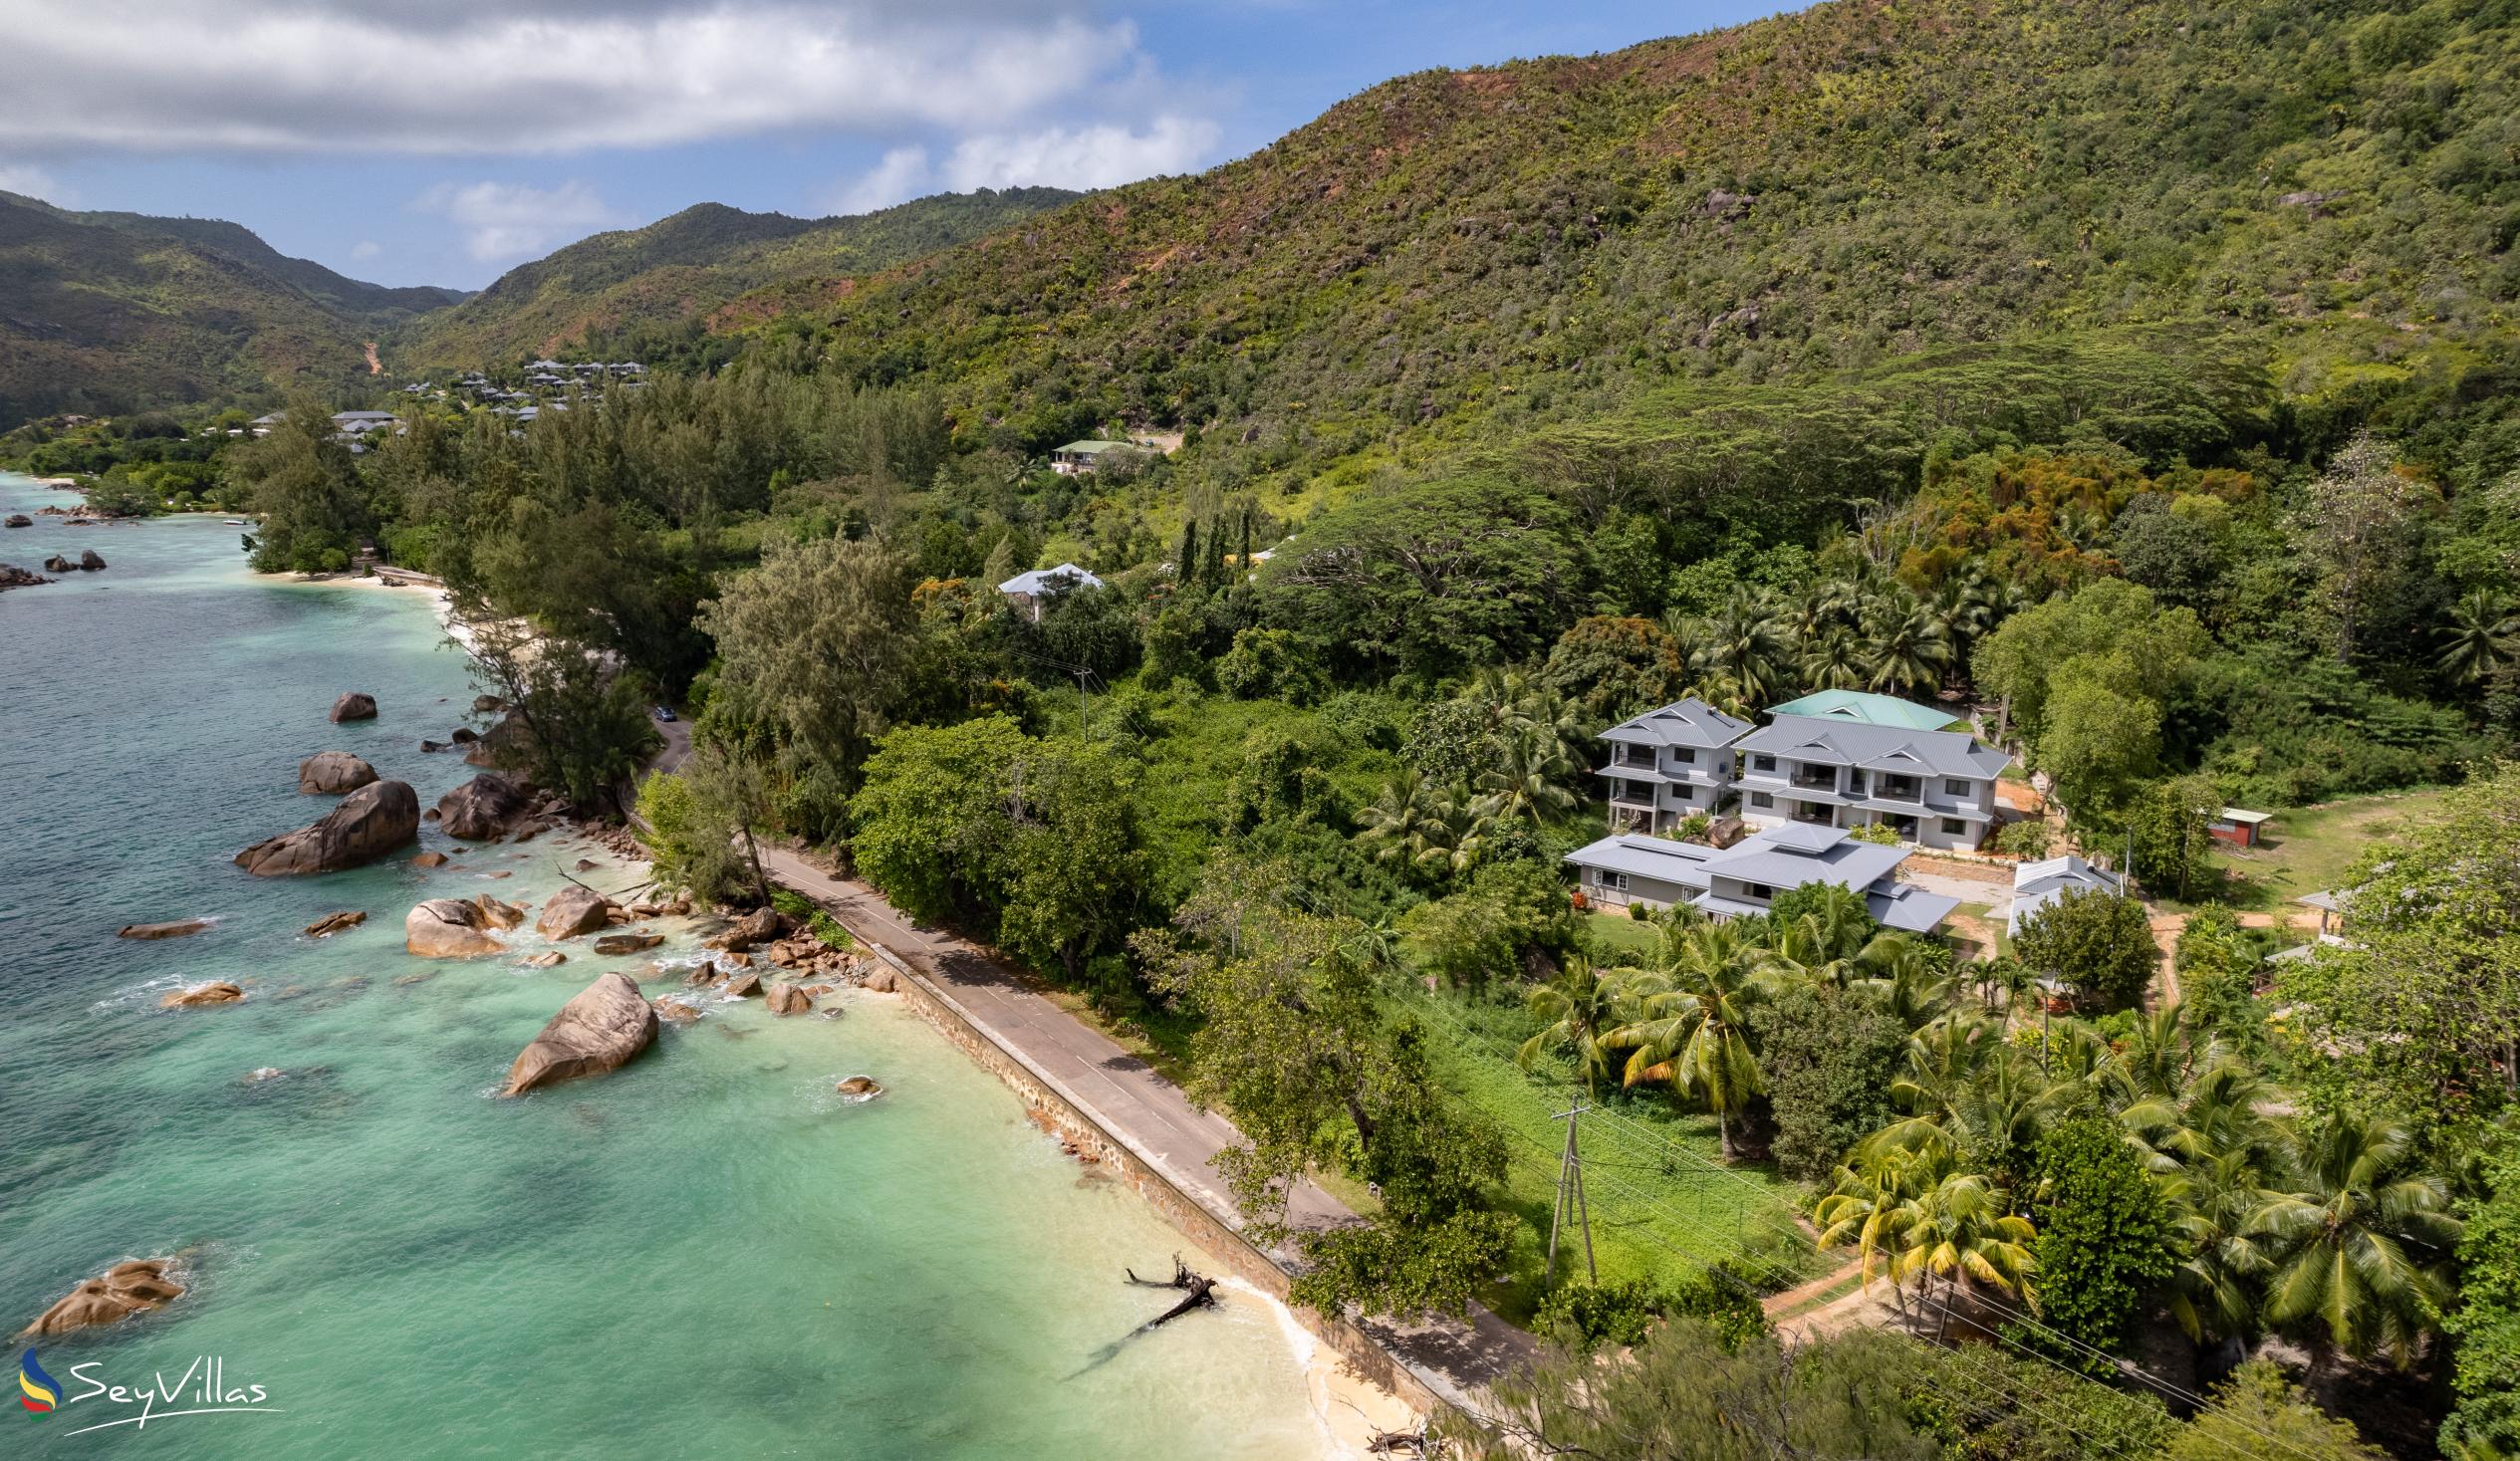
x=365 y=249
x=903 y=174
x=1100 y=155
x=504 y=221
x=539 y=75
x=1081 y=156
x=31 y=181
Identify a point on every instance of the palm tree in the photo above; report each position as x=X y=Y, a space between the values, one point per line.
x=2214 y=1151
x=1525 y=780
x=1685 y=1024
x=1831 y=660
x=1580 y=1006
x=1906 y=651
x=1749 y=645
x=1967 y=1090
x=1404 y=823
x=1920 y=1215
x=2364 y=1240
x=2482 y=635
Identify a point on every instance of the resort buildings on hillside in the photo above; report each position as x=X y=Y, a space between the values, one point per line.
x=1838 y=759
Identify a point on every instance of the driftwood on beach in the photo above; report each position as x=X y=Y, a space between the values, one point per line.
x=1200 y=1292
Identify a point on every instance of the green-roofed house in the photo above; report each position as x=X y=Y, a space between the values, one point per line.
x=1866 y=708
x=1080 y=456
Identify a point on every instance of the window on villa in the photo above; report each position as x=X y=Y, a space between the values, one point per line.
x=1683 y=755
x=1762 y=762
x=1761 y=799
x=1954 y=786
x=1954 y=827
x=1759 y=891
x=1680 y=794
x=1616 y=881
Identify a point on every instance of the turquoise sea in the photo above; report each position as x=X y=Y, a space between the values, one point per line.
x=706 y=1254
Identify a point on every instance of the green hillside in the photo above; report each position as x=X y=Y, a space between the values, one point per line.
x=2321 y=194
x=706 y=267
x=115 y=312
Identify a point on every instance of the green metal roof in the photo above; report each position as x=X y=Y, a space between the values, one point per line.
x=1088 y=448
x=1867 y=708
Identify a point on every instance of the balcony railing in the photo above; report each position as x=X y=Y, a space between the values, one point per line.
x=1823 y=779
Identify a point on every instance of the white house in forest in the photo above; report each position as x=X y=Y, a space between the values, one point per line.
x=1743 y=880
x=1030 y=592
x=1669 y=764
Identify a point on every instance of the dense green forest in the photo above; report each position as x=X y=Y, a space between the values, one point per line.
x=2135 y=378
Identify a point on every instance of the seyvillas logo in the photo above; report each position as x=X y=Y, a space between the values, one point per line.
x=37 y=1391
x=202 y=1390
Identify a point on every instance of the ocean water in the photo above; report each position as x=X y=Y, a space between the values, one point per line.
x=706 y=1254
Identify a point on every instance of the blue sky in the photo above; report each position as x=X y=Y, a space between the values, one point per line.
x=412 y=142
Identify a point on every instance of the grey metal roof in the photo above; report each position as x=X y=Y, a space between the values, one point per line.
x=2065 y=872
x=1875 y=747
x=1847 y=863
x=1647 y=856
x=1910 y=908
x=1690 y=722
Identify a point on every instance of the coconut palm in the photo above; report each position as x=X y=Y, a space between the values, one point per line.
x=1526 y=780
x=2214 y=1151
x=1904 y=649
x=1914 y=1216
x=1966 y=1090
x=2481 y=637
x=1405 y=823
x=1685 y=1024
x=1749 y=645
x=2364 y=1240
x=1832 y=659
x=1581 y=1007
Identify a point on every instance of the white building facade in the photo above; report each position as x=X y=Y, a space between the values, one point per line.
x=1935 y=789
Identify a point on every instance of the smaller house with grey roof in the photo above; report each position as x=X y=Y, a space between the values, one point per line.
x=1667 y=765
x=1933 y=788
x=2037 y=884
x=1743 y=880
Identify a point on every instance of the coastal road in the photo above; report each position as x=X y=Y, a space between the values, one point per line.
x=1128 y=1098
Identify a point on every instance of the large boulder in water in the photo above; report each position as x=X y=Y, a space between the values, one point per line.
x=216 y=992
x=177 y=930
x=370 y=822
x=755 y=928
x=787 y=998
x=598 y=1030
x=91 y=559
x=574 y=910
x=117 y=1293
x=481 y=808
x=330 y=772
x=449 y=928
x=17 y=520
x=356 y=705
x=508 y=742
x=13 y=576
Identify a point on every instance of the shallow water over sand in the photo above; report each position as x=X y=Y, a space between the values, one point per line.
x=706 y=1254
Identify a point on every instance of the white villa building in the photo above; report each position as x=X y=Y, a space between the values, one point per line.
x=1742 y=880
x=1669 y=764
x=1933 y=788
x=1029 y=591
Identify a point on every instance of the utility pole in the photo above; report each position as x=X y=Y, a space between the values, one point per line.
x=1570 y=1201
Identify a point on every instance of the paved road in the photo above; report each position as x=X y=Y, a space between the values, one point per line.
x=1127 y=1097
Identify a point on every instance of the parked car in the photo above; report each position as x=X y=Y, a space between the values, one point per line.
x=664 y=712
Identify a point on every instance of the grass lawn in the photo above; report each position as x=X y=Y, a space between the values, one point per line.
x=1620 y=939
x=1661 y=1205
x=2308 y=849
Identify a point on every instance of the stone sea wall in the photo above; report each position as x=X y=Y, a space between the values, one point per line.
x=1054 y=1110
